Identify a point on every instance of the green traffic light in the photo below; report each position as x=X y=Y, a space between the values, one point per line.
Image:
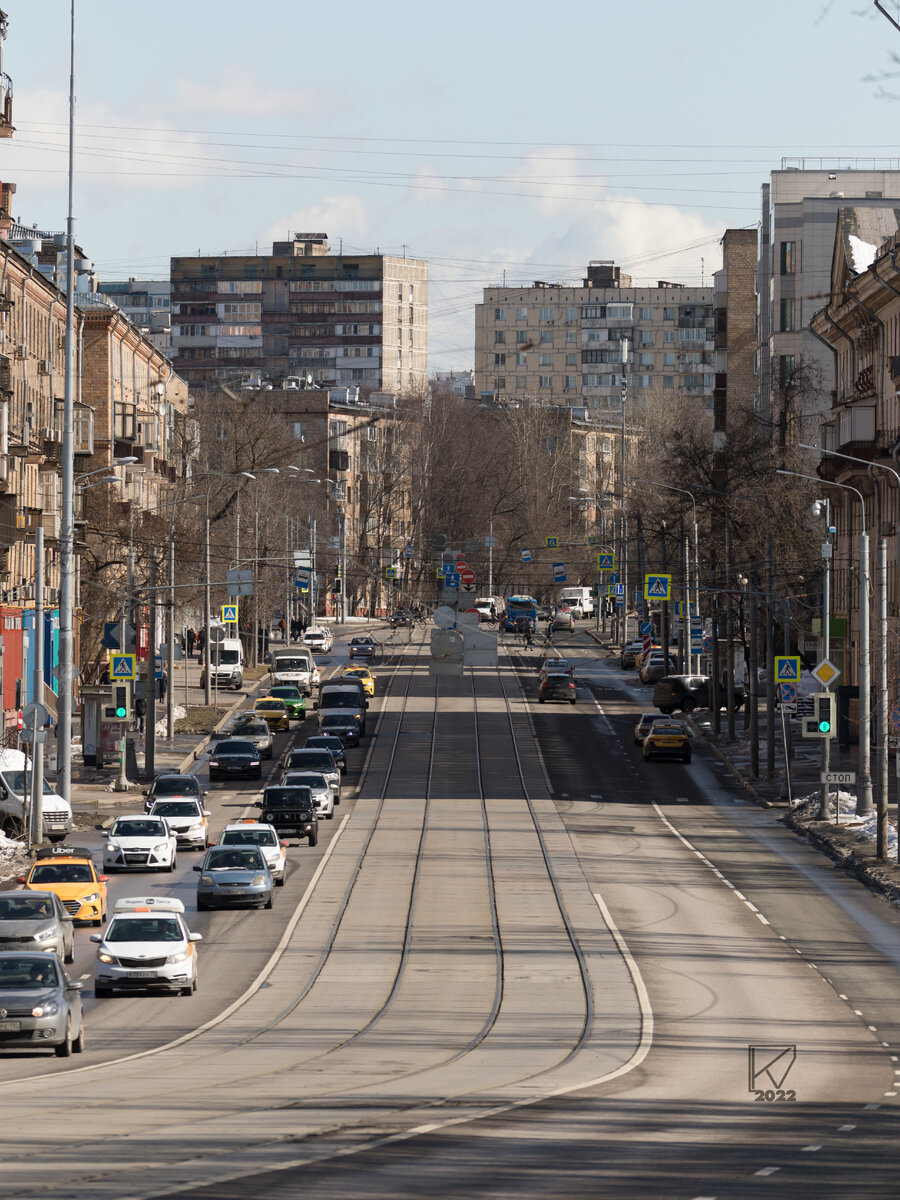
x=824 y=726
x=121 y=711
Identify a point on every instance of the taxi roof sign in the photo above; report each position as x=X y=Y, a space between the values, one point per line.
x=148 y=904
x=64 y=852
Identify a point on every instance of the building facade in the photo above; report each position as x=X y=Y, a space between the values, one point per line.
x=564 y=345
x=147 y=304
x=302 y=312
x=736 y=340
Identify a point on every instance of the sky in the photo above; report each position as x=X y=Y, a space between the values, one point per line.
x=500 y=141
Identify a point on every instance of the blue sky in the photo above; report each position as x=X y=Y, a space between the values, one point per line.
x=486 y=137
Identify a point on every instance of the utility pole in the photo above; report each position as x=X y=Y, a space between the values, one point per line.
x=882 y=706
x=37 y=747
x=207 y=688
x=170 y=641
x=150 y=702
x=729 y=626
x=864 y=798
x=825 y=803
x=624 y=480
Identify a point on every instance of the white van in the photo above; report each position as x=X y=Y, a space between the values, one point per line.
x=15 y=778
x=227 y=659
x=579 y=599
x=295 y=666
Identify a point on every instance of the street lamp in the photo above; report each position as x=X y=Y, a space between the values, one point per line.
x=684 y=491
x=864 y=804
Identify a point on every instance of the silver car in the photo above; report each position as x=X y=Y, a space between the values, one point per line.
x=258 y=732
x=40 y=1004
x=36 y=921
x=234 y=875
x=307 y=759
x=318 y=785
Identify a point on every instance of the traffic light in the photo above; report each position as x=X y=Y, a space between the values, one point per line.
x=822 y=723
x=120 y=709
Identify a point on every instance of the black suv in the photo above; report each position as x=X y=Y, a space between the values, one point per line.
x=688 y=692
x=291 y=811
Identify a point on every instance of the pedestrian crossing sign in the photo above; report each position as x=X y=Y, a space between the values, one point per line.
x=121 y=666
x=606 y=562
x=658 y=587
x=552 y=543
x=390 y=572
x=229 y=614
x=787 y=668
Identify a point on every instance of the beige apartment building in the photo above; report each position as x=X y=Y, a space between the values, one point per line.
x=555 y=344
x=333 y=319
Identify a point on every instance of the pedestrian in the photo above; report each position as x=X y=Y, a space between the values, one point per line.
x=190 y=637
x=140 y=708
x=201 y=641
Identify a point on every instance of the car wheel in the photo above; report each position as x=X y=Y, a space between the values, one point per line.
x=96 y=924
x=268 y=753
x=258 y=774
x=102 y=992
x=688 y=704
x=69 y=955
x=329 y=816
x=268 y=903
x=687 y=758
x=172 y=864
x=64 y=1049
x=201 y=907
x=313 y=839
x=540 y=699
x=279 y=882
x=187 y=991
x=667 y=709
x=573 y=700
x=78 y=1044
x=60 y=837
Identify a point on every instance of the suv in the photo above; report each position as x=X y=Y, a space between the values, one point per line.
x=631 y=650
x=688 y=692
x=291 y=811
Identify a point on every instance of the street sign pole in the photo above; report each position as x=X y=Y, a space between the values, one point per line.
x=825 y=802
x=37 y=750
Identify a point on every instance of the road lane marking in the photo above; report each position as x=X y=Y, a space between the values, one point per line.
x=767 y=1171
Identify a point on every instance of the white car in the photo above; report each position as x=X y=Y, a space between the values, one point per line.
x=140 y=842
x=187 y=819
x=318 y=638
x=146 y=945
x=321 y=789
x=264 y=837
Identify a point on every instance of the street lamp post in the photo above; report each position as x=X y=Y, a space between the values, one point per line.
x=684 y=491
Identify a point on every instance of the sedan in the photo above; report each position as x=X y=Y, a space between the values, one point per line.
x=173 y=787
x=234 y=875
x=318 y=785
x=36 y=921
x=144 y=843
x=41 y=1005
x=250 y=832
x=257 y=731
x=564 y=620
x=628 y=655
x=557 y=687
x=645 y=721
x=341 y=725
x=235 y=757
x=187 y=819
x=146 y=945
x=294 y=700
x=273 y=711
x=362 y=647
x=328 y=741
x=364 y=675
x=667 y=739
x=654 y=668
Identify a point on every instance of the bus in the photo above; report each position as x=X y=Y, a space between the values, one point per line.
x=520 y=608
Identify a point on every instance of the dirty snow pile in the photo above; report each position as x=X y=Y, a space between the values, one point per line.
x=865 y=828
x=11 y=855
x=162 y=727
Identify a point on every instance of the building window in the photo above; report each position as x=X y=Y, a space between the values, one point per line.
x=300 y=431
x=668 y=383
x=668 y=314
x=545 y=360
x=786 y=368
x=691 y=335
x=499 y=314
x=521 y=314
x=500 y=384
x=571 y=360
x=668 y=335
x=786 y=311
x=645 y=314
x=645 y=337
x=788 y=258
x=547 y=315
x=571 y=315
x=546 y=337
x=570 y=383
x=619 y=312
x=520 y=383
x=521 y=360
x=645 y=360
x=521 y=337
x=499 y=360
x=668 y=360
x=545 y=381
x=499 y=337
x=644 y=381
x=571 y=337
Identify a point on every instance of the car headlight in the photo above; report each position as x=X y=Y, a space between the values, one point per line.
x=259 y=881
x=45 y=936
x=50 y=1009
x=197 y=828
x=160 y=847
x=111 y=847
x=91 y=898
x=105 y=958
x=181 y=956
x=207 y=881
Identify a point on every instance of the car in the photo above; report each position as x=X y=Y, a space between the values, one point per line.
x=667 y=739
x=318 y=785
x=273 y=711
x=656 y=665
x=362 y=647
x=69 y=872
x=187 y=819
x=555 y=666
x=315 y=758
x=251 y=832
x=41 y=1005
x=143 y=842
x=36 y=921
x=146 y=945
x=234 y=757
x=342 y=725
x=234 y=875
x=644 y=721
x=543 y=612
x=291 y=811
x=173 y=787
x=688 y=692
x=319 y=638
x=294 y=700
x=557 y=687
x=630 y=652
x=255 y=730
x=400 y=618
x=328 y=741
x=563 y=620
x=364 y=675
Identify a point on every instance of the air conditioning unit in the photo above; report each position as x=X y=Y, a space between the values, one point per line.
x=21 y=350
x=43 y=367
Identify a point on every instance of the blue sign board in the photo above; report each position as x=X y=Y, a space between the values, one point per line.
x=451 y=579
x=408 y=551
x=614 y=578
x=605 y=562
x=620 y=589
x=646 y=627
x=526 y=556
x=559 y=572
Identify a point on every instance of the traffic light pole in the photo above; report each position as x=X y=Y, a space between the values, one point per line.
x=825 y=805
x=121 y=784
x=882 y=706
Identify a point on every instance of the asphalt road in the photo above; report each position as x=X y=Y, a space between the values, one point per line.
x=530 y=964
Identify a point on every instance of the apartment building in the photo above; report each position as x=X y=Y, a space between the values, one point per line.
x=799 y=214
x=736 y=340
x=556 y=344
x=302 y=311
x=147 y=304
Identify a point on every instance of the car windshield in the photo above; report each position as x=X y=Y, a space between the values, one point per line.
x=334 y=721
x=248 y=837
x=15 y=781
x=234 y=859
x=258 y=728
x=270 y=703
x=176 y=808
x=356 y=673
x=363 y=641
x=287 y=693
x=339 y=699
x=659 y=730
x=289 y=796
x=313 y=758
x=25 y=908
x=236 y=747
x=290 y=664
x=226 y=658
x=185 y=785
x=305 y=779
x=126 y=827
x=22 y=974
x=62 y=873
x=144 y=929
x=327 y=742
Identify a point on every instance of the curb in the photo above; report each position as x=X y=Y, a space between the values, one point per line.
x=191 y=758
x=864 y=867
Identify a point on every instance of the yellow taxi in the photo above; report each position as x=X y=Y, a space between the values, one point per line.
x=273 y=711
x=364 y=675
x=69 y=871
x=667 y=739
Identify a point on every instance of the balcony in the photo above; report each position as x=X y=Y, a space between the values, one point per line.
x=6 y=95
x=856 y=427
x=7 y=190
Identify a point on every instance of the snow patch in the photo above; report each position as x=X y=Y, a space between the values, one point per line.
x=866 y=828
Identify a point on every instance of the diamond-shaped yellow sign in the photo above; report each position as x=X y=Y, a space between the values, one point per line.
x=826 y=673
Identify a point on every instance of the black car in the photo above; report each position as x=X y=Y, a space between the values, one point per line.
x=291 y=811
x=173 y=787
x=343 y=727
x=557 y=687
x=233 y=758
x=400 y=618
x=687 y=692
x=328 y=741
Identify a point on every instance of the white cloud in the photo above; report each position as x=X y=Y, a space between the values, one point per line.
x=237 y=94
x=343 y=216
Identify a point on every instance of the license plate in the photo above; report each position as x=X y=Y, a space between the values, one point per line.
x=10 y=1026
x=236 y=892
x=141 y=974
